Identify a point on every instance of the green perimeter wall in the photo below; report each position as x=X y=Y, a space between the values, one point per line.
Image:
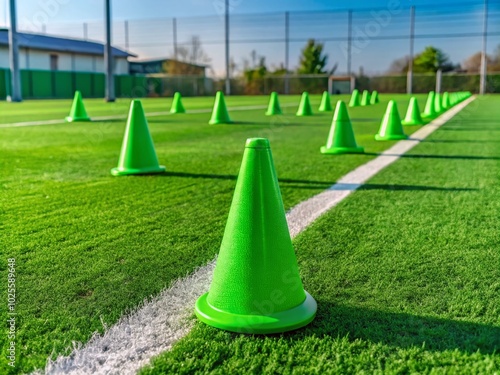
x=43 y=84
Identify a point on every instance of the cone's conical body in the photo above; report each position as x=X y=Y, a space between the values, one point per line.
x=305 y=108
x=430 y=110
x=413 y=116
x=256 y=287
x=365 y=99
x=77 y=112
x=391 y=128
x=446 y=101
x=177 y=106
x=437 y=103
x=274 y=107
x=220 y=114
x=326 y=105
x=374 y=97
x=138 y=155
x=355 y=101
x=341 y=138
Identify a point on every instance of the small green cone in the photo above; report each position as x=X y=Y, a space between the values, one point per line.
x=326 y=105
x=220 y=114
x=256 y=286
x=437 y=103
x=413 y=116
x=177 y=106
x=355 y=101
x=365 y=99
x=138 y=155
x=77 y=112
x=341 y=138
x=446 y=101
x=274 y=107
x=391 y=128
x=374 y=97
x=305 y=108
x=430 y=111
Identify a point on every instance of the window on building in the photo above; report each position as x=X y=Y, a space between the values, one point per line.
x=54 y=59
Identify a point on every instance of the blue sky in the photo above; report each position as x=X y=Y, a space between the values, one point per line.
x=264 y=33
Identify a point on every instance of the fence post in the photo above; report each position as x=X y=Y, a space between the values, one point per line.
x=174 y=34
x=228 y=73
x=409 y=78
x=287 y=52
x=127 y=45
x=482 y=82
x=85 y=31
x=439 y=77
x=15 y=72
x=349 y=40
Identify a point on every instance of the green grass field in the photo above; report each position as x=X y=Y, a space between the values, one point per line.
x=405 y=271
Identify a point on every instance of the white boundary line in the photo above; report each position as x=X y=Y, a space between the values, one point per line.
x=123 y=117
x=158 y=324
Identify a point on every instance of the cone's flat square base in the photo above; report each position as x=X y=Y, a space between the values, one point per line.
x=77 y=119
x=211 y=122
x=392 y=137
x=342 y=150
x=282 y=321
x=304 y=114
x=273 y=114
x=177 y=111
x=326 y=110
x=137 y=171
x=413 y=123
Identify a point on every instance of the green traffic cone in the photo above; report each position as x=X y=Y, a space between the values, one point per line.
x=355 y=102
x=138 y=155
x=365 y=99
x=77 y=112
x=374 y=97
x=413 y=116
x=256 y=286
x=305 y=108
x=446 y=101
x=274 y=107
x=326 y=105
x=341 y=139
x=437 y=103
x=177 y=106
x=391 y=128
x=220 y=114
x=430 y=110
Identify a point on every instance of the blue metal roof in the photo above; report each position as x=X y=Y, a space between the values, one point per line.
x=58 y=44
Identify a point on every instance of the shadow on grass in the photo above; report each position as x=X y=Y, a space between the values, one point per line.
x=313 y=184
x=400 y=329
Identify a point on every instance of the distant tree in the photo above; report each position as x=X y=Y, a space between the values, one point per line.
x=430 y=60
x=254 y=76
x=313 y=60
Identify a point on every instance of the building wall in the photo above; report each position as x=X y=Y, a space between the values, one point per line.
x=40 y=60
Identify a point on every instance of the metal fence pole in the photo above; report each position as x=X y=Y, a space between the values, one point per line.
x=287 y=52
x=228 y=73
x=15 y=74
x=484 y=63
x=85 y=31
x=108 y=55
x=409 y=78
x=174 y=34
x=127 y=44
x=349 y=41
x=439 y=78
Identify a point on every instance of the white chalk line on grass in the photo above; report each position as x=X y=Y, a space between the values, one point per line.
x=122 y=117
x=154 y=327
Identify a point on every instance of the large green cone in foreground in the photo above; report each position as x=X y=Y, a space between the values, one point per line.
x=138 y=155
x=391 y=127
x=341 y=138
x=256 y=287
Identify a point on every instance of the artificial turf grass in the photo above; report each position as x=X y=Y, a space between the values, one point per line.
x=87 y=245
x=405 y=272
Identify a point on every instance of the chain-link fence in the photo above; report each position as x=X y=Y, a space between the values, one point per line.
x=369 y=43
